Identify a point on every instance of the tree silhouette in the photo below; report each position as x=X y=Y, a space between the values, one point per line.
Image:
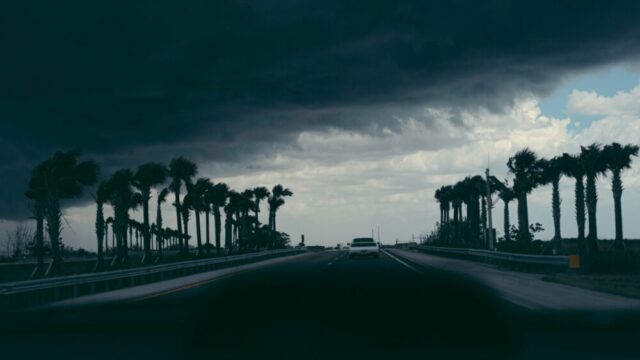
x=180 y=170
x=506 y=194
x=217 y=197
x=525 y=167
x=275 y=201
x=162 y=197
x=60 y=177
x=618 y=158
x=123 y=199
x=594 y=164
x=102 y=196
x=147 y=176
x=197 y=193
x=552 y=171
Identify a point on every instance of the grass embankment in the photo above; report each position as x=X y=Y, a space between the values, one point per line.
x=622 y=284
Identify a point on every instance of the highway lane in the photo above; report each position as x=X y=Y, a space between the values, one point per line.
x=317 y=306
x=524 y=289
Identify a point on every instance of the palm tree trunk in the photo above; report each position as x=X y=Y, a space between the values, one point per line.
x=216 y=222
x=228 y=228
x=54 y=226
x=580 y=211
x=507 y=225
x=100 y=235
x=524 y=237
x=592 y=201
x=185 y=229
x=178 y=216
x=39 y=210
x=159 y=239
x=198 y=232
x=616 y=188
x=206 y=224
x=555 y=204
x=145 y=231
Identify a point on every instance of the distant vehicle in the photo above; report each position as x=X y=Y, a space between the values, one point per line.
x=364 y=247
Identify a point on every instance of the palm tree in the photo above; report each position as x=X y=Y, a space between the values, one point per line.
x=217 y=197
x=275 y=201
x=180 y=170
x=457 y=198
x=572 y=167
x=507 y=195
x=36 y=192
x=147 y=176
x=207 y=202
x=618 y=158
x=123 y=199
x=246 y=204
x=259 y=193
x=197 y=193
x=162 y=197
x=526 y=169
x=102 y=196
x=61 y=177
x=185 y=208
x=552 y=171
x=594 y=164
x=229 y=210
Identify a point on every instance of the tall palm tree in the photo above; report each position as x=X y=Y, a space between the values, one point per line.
x=525 y=167
x=61 y=176
x=148 y=176
x=123 y=199
x=37 y=193
x=259 y=193
x=162 y=197
x=457 y=199
x=102 y=196
x=217 y=197
x=247 y=204
x=207 y=203
x=275 y=201
x=180 y=170
x=552 y=171
x=507 y=195
x=229 y=209
x=185 y=208
x=197 y=193
x=572 y=167
x=594 y=164
x=618 y=158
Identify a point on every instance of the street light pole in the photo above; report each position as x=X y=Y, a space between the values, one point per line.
x=489 y=207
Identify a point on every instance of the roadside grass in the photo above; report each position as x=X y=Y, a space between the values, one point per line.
x=620 y=284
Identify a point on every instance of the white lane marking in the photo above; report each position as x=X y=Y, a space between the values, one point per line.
x=402 y=262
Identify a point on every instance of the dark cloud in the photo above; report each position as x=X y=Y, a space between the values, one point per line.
x=219 y=80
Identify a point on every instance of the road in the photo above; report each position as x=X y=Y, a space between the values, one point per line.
x=316 y=306
x=523 y=289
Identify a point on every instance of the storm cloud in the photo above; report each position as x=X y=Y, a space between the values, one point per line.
x=224 y=80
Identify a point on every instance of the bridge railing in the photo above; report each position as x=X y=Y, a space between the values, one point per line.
x=534 y=263
x=33 y=292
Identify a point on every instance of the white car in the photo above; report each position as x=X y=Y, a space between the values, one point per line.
x=364 y=247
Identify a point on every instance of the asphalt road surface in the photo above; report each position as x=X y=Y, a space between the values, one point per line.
x=318 y=306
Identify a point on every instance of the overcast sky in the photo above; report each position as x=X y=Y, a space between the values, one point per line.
x=363 y=109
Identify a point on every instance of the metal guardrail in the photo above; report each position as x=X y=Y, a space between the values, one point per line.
x=32 y=292
x=528 y=262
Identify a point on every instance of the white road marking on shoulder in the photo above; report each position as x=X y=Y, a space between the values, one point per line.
x=402 y=262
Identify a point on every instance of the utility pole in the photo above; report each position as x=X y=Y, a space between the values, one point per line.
x=378 y=233
x=489 y=208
